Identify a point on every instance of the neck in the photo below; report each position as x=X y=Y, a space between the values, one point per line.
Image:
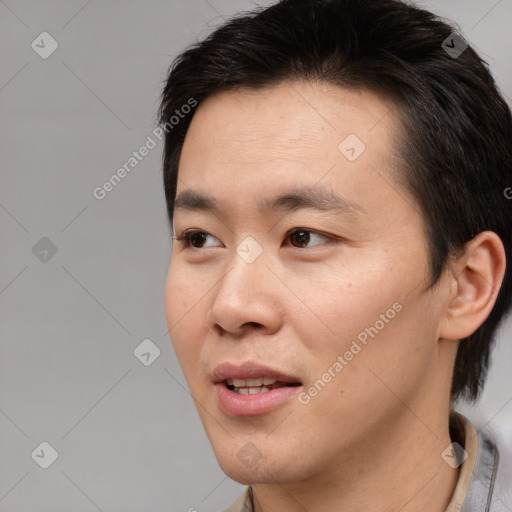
x=390 y=472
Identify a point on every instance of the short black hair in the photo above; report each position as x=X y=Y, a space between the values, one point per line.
x=457 y=142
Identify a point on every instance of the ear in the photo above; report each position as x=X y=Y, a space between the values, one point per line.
x=475 y=281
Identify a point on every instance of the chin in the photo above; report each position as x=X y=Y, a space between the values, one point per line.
x=247 y=466
x=250 y=476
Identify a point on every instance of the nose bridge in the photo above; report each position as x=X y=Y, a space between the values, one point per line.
x=243 y=294
x=248 y=267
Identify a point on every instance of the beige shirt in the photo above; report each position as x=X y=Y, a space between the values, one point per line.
x=462 y=431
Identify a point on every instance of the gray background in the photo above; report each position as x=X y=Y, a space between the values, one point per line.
x=127 y=435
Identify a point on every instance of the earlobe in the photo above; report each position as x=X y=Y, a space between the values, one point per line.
x=477 y=278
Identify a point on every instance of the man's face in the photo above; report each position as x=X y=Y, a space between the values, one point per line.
x=334 y=300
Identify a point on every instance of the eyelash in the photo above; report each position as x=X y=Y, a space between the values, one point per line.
x=185 y=238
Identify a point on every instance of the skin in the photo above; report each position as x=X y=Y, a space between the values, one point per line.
x=372 y=438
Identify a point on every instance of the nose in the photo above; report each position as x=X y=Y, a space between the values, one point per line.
x=246 y=298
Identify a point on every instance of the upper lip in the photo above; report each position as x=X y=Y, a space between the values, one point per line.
x=248 y=370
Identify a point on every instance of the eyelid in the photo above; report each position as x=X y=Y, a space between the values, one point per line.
x=185 y=236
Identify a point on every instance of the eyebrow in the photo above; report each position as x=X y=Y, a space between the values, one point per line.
x=299 y=198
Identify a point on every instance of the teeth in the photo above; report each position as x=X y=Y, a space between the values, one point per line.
x=251 y=391
x=254 y=382
x=253 y=386
x=241 y=383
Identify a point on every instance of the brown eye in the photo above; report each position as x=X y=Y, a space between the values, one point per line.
x=303 y=236
x=197 y=239
x=191 y=238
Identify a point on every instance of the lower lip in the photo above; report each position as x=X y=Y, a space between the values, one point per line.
x=236 y=404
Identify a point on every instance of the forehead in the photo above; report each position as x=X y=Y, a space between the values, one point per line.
x=291 y=114
x=247 y=144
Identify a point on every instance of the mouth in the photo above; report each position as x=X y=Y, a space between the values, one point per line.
x=256 y=385
x=249 y=388
x=251 y=375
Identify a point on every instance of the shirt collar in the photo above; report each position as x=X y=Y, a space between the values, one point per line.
x=475 y=486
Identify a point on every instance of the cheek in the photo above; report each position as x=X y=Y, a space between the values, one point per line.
x=182 y=307
x=361 y=324
x=183 y=293
x=175 y=301
x=341 y=306
x=380 y=361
